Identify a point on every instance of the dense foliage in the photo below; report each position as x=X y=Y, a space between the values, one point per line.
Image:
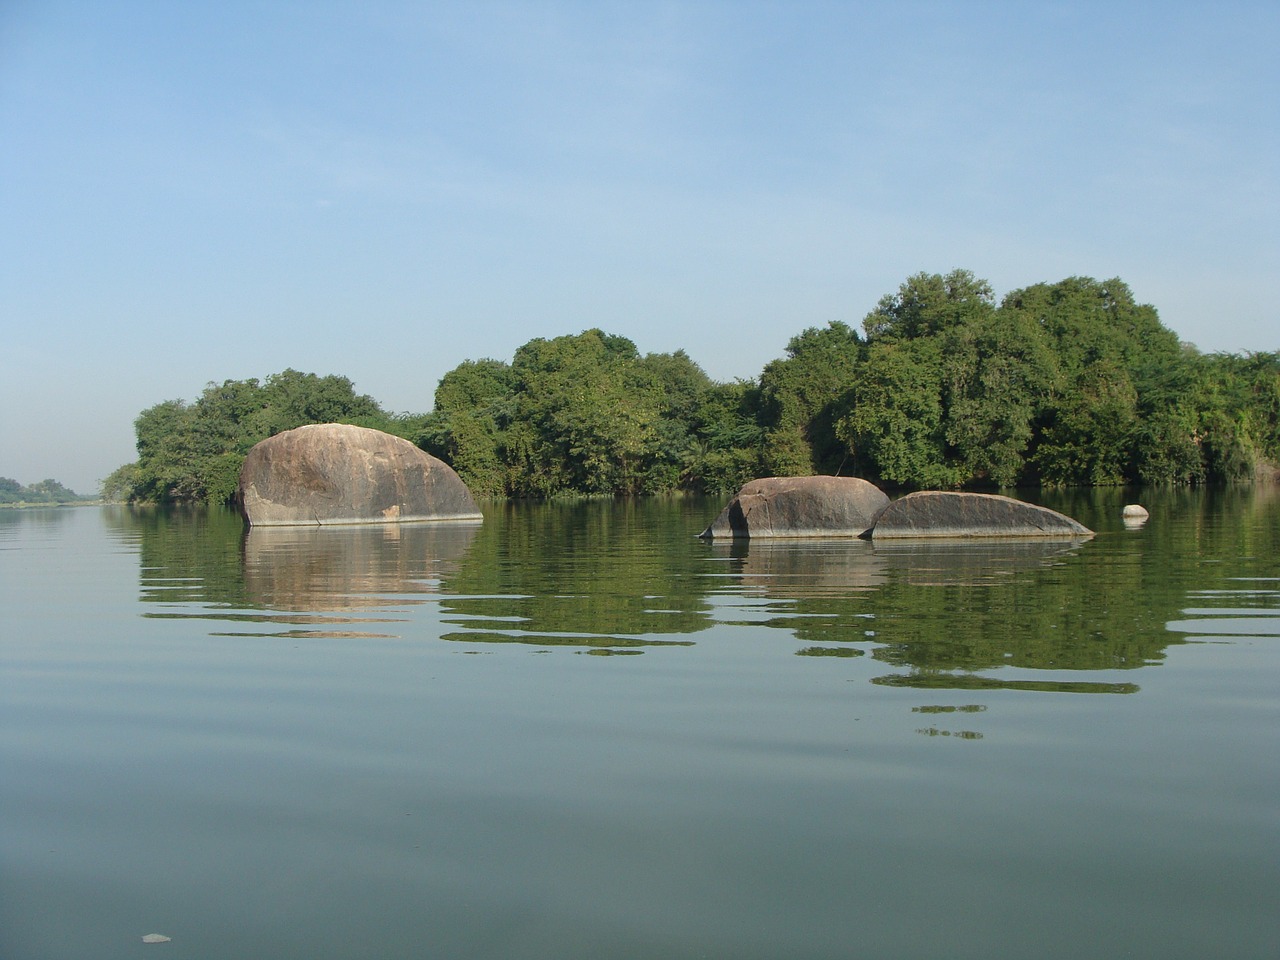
x=46 y=491
x=1070 y=383
x=588 y=414
x=193 y=452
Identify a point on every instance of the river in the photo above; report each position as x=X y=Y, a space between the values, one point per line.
x=578 y=731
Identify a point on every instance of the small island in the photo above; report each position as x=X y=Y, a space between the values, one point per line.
x=946 y=387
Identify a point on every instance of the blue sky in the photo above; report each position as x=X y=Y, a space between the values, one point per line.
x=196 y=192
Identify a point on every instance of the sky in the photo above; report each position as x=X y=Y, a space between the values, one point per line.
x=199 y=192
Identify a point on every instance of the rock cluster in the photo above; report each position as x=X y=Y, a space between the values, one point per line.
x=849 y=507
x=335 y=473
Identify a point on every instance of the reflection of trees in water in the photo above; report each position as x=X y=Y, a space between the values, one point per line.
x=14 y=518
x=940 y=607
x=953 y=615
x=187 y=554
x=593 y=574
x=625 y=575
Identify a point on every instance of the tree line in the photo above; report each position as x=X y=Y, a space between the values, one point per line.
x=192 y=452
x=1069 y=383
x=45 y=491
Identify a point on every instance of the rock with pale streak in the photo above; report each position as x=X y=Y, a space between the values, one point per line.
x=931 y=513
x=333 y=473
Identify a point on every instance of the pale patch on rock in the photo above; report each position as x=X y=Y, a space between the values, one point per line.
x=931 y=513
x=331 y=473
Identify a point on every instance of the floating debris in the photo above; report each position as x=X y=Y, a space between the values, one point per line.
x=156 y=938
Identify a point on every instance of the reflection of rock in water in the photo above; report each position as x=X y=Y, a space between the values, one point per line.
x=802 y=568
x=969 y=561
x=940 y=680
x=807 y=568
x=346 y=568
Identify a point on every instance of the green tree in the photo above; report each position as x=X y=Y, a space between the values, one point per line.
x=474 y=406
x=51 y=491
x=1113 y=413
x=728 y=448
x=998 y=373
x=1090 y=435
x=801 y=397
x=120 y=484
x=10 y=490
x=895 y=426
x=1093 y=321
x=590 y=427
x=928 y=304
x=43 y=491
x=586 y=414
x=193 y=452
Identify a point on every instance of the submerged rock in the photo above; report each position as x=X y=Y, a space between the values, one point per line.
x=156 y=938
x=943 y=514
x=800 y=507
x=333 y=473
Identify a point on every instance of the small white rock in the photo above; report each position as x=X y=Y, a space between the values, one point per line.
x=1135 y=510
x=156 y=938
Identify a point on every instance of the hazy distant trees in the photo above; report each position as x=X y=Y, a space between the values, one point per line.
x=1067 y=383
x=45 y=491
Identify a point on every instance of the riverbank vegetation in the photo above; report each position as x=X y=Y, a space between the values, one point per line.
x=1068 y=383
x=43 y=493
x=192 y=452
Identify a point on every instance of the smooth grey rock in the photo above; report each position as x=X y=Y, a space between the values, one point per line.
x=930 y=513
x=331 y=473
x=1135 y=511
x=800 y=507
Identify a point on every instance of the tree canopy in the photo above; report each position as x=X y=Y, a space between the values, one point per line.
x=587 y=414
x=192 y=453
x=1067 y=383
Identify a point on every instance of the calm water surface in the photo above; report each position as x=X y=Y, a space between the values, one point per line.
x=580 y=732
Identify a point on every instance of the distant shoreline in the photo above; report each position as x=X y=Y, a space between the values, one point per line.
x=33 y=504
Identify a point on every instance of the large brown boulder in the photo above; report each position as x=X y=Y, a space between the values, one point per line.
x=800 y=507
x=931 y=513
x=331 y=473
